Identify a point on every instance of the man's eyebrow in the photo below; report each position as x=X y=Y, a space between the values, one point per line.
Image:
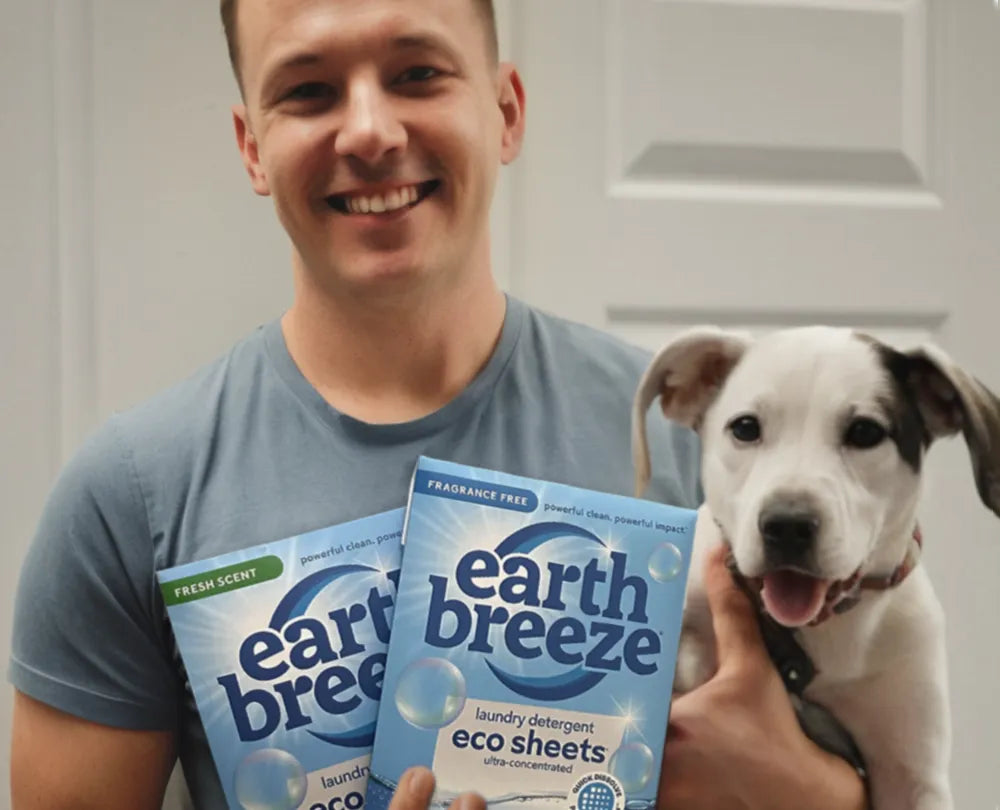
x=426 y=42
x=298 y=59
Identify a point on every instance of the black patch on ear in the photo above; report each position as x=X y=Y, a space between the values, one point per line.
x=908 y=430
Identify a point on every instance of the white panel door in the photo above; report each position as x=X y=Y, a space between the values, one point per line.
x=759 y=164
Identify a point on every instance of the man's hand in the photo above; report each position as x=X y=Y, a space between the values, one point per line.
x=735 y=742
x=417 y=787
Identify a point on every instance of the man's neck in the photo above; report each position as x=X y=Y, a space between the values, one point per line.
x=397 y=358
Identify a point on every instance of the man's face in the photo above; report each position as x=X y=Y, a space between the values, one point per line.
x=378 y=127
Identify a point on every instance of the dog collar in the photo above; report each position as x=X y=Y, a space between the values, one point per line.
x=845 y=594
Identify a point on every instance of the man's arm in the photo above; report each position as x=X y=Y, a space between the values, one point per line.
x=91 y=659
x=60 y=762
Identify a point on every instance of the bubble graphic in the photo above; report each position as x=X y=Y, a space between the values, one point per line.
x=665 y=562
x=430 y=693
x=270 y=779
x=632 y=765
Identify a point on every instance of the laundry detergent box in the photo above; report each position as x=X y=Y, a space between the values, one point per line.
x=534 y=642
x=285 y=649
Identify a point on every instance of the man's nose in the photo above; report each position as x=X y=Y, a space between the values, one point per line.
x=370 y=129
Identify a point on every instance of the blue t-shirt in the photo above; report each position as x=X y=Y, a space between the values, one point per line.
x=246 y=451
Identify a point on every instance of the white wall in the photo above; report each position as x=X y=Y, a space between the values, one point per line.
x=186 y=258
x=29 y=312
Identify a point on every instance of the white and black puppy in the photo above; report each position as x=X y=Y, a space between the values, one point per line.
x=812 y=445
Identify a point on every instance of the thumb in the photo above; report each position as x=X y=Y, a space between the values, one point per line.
x=739 y=644
x=415 y=790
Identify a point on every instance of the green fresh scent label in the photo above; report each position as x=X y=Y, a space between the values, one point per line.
x=221 y=580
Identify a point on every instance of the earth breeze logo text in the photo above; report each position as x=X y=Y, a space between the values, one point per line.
x=532 y=620
x=298 y=657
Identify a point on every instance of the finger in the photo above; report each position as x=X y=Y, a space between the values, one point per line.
x=414 y=791
x=469 y=801
x=734 y=617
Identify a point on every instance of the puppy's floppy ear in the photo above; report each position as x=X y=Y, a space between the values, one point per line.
x=950 y=400
x=686 y=375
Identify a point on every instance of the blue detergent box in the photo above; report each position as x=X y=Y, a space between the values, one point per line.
x=285 y=650
x=534 y=642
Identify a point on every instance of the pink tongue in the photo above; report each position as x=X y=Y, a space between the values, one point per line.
x=793 y=599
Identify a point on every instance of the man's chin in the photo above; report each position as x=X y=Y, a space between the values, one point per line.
x=385 y=276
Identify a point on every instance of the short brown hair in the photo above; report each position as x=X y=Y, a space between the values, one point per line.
x=228 y=10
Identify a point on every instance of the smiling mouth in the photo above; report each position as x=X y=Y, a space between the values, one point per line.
x=386 y=203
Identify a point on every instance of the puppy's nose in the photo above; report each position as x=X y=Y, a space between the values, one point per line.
x=788 y=534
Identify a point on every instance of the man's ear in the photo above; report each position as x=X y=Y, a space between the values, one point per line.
x=510 y=97
x=247 y=143
x=687 y=375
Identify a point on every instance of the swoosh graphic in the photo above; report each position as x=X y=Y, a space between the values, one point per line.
x=361 y=737
x=295 y=602
x=526 y=540
x=568 y=684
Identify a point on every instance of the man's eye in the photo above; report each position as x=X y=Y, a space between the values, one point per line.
x=421 y=73
x=309 y=90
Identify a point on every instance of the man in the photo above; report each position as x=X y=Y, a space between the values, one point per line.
x=377 y=128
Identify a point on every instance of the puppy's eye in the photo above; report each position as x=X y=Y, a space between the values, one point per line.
x=745 y=428
x=864 y=433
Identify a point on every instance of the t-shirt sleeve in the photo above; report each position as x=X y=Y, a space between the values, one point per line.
x=88 y=635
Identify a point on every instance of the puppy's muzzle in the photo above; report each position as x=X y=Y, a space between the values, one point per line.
x=789 y=527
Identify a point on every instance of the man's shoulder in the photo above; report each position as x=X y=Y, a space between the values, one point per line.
x=594 y=348
x=593 y=375
x=189 y=400
x=104 y=529
x=594 y=363
x=164 y=429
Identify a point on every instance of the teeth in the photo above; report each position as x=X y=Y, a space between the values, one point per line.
x=378 y=203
